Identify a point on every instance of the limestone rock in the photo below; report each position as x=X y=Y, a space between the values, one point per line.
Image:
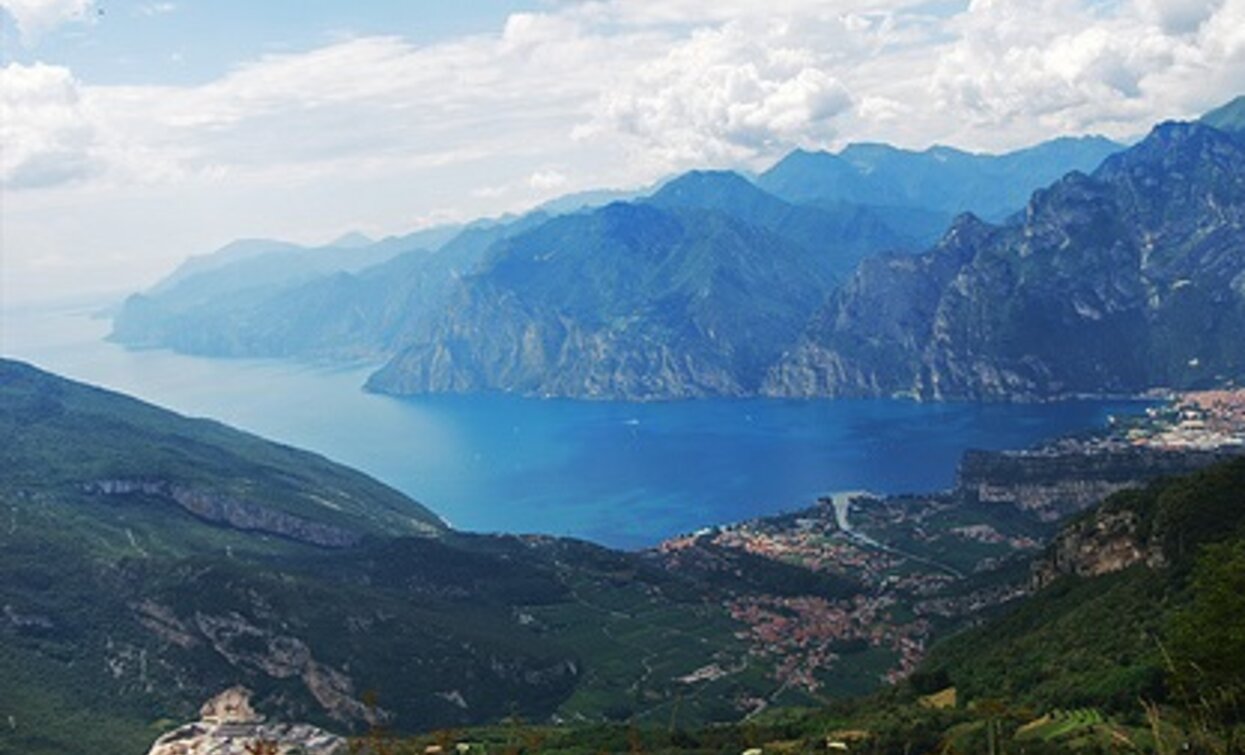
x=228 y=725
x=233 y=706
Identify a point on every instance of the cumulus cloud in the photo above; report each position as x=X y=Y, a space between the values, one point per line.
x=726 y=94
x=1073 y=66
x=1178 y=16
x=378 y=130
x=48 y=138
x=34 y=17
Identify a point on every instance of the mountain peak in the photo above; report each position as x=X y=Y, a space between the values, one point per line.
x=351 y=240
x=1229 y=117
x=701 y=179
x=708 y=189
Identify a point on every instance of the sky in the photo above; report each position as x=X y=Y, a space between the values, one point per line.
x=136 y=133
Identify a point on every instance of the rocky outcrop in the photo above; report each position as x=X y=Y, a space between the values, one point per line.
x=1052 y=484
x=1106 y=542
x=251 y=648
x=231 y=511
x=228 y=725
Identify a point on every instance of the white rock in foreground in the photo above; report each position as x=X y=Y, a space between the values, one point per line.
x=229 y=726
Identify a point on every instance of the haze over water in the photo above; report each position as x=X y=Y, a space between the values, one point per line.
x=621 y=474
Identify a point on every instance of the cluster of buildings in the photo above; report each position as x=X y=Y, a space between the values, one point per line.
x=807 y=639
x=1200 y=420
x=807 y=636
x=815 y=544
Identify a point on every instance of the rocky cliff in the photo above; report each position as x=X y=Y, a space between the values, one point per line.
x=632 y=301
x=1108 y=541
x=1052 y=484
x=228 y=725
x=1127 y=279
x=1164 y=523
x=231 y=511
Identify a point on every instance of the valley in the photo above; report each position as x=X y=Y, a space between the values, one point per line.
x=716 y=626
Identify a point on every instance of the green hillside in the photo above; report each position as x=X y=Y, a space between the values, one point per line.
x=149 y=560
x=70 y=440
x=1147 y=656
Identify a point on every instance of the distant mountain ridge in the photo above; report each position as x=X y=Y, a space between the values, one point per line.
x=343 y=311
x=387 y=300
x=940 y=178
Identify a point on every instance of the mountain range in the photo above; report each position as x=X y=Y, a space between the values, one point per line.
x=940 y=179
x=732 y=273
x=1120 y=281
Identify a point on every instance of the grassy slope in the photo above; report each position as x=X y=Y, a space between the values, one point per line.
x=58 y=435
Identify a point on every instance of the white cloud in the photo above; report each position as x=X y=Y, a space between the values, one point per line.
x=1060 y=65
x=674 y=84
x=726 y=94
x=34 y=17
x=47 y=136
x=546 y=179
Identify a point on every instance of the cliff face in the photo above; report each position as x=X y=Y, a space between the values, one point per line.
x=1166 y=522
x=1109 y=541
x=1112 y=283
x=231 y=511
x=1055 y=484
x=632 y=301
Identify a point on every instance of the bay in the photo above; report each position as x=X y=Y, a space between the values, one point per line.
x=618 y=473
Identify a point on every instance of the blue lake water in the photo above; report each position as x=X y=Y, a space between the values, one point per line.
x=618 y=473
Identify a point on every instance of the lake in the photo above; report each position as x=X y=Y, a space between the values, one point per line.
x=617 y=473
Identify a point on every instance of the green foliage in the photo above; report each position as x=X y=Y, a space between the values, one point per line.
x=1208 y=634
x=1080 y=642
x=1207 y=649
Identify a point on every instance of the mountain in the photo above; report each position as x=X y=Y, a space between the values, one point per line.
x=352 y=240
x=397 y=299
x=1128 y=279
x=631 y=300
x=692 y=291
x=245 y=274
x=588 y=200
x=149 y=561
x=1109 y=590
x=846 y=232
x=289 y=302
x=1127 y=640
x=125 y=447
x=1229 y=117
x=355 y=312
x=940 y=178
